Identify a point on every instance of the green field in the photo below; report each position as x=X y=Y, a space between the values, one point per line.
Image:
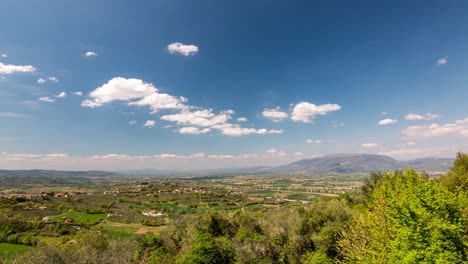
x=81 y=218
x=118 y=230
x=8 y=251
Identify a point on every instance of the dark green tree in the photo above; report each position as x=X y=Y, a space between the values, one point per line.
x=457 y=177
x=371 y=183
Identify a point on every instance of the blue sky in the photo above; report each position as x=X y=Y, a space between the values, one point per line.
x=311 y=78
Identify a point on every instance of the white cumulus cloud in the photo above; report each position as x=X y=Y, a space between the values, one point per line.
x=306 y=112
x=193 y=130
x=136 y=92
x=182 y=49
x=274 y=114
x=460 y=127
x=9 y=68
x=77 y=93
x=204 y=118
x=119 y=89
x=242 y=119
x=159 y=101
x=150 y=123
x=41 y=80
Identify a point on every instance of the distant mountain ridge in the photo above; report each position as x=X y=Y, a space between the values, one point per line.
x=363 y=163
x=54 y=173
x=329 y=164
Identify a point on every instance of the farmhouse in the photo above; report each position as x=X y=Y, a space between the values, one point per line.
x=154 y=213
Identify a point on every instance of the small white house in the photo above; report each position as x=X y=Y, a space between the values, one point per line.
x=154 y=213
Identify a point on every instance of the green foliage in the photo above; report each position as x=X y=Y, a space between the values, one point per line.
x=318 y=257
x=117 y=252
x=152 y=249
x=92 y=240
x=322 y=225
x=370 y=184
x=205 y=250
x=410 y=220
x=457 y=178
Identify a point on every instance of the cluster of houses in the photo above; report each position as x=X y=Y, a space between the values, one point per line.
x=184 y=190
x=29 y=196
x=68 y=194
x=26 y=196
x=66 y=220
x=119 y=192
x=177 y=190
x=34 y=207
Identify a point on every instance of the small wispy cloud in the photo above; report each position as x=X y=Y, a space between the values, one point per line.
x=336 y=124
x=442 y=61
x=387 y=121
x=185 y=50
x=4 y=55
x=415 y=117
x=367 y=146
x=49 y=79
x=90 y=54
x=46 y=99
x=77 y=93
x=49 y=99
x=13 y=115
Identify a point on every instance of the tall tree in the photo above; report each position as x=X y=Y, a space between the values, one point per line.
x=457 y=177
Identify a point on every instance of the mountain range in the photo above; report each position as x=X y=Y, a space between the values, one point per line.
x=329 y=164
x=54 y=173
x=363 y=163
